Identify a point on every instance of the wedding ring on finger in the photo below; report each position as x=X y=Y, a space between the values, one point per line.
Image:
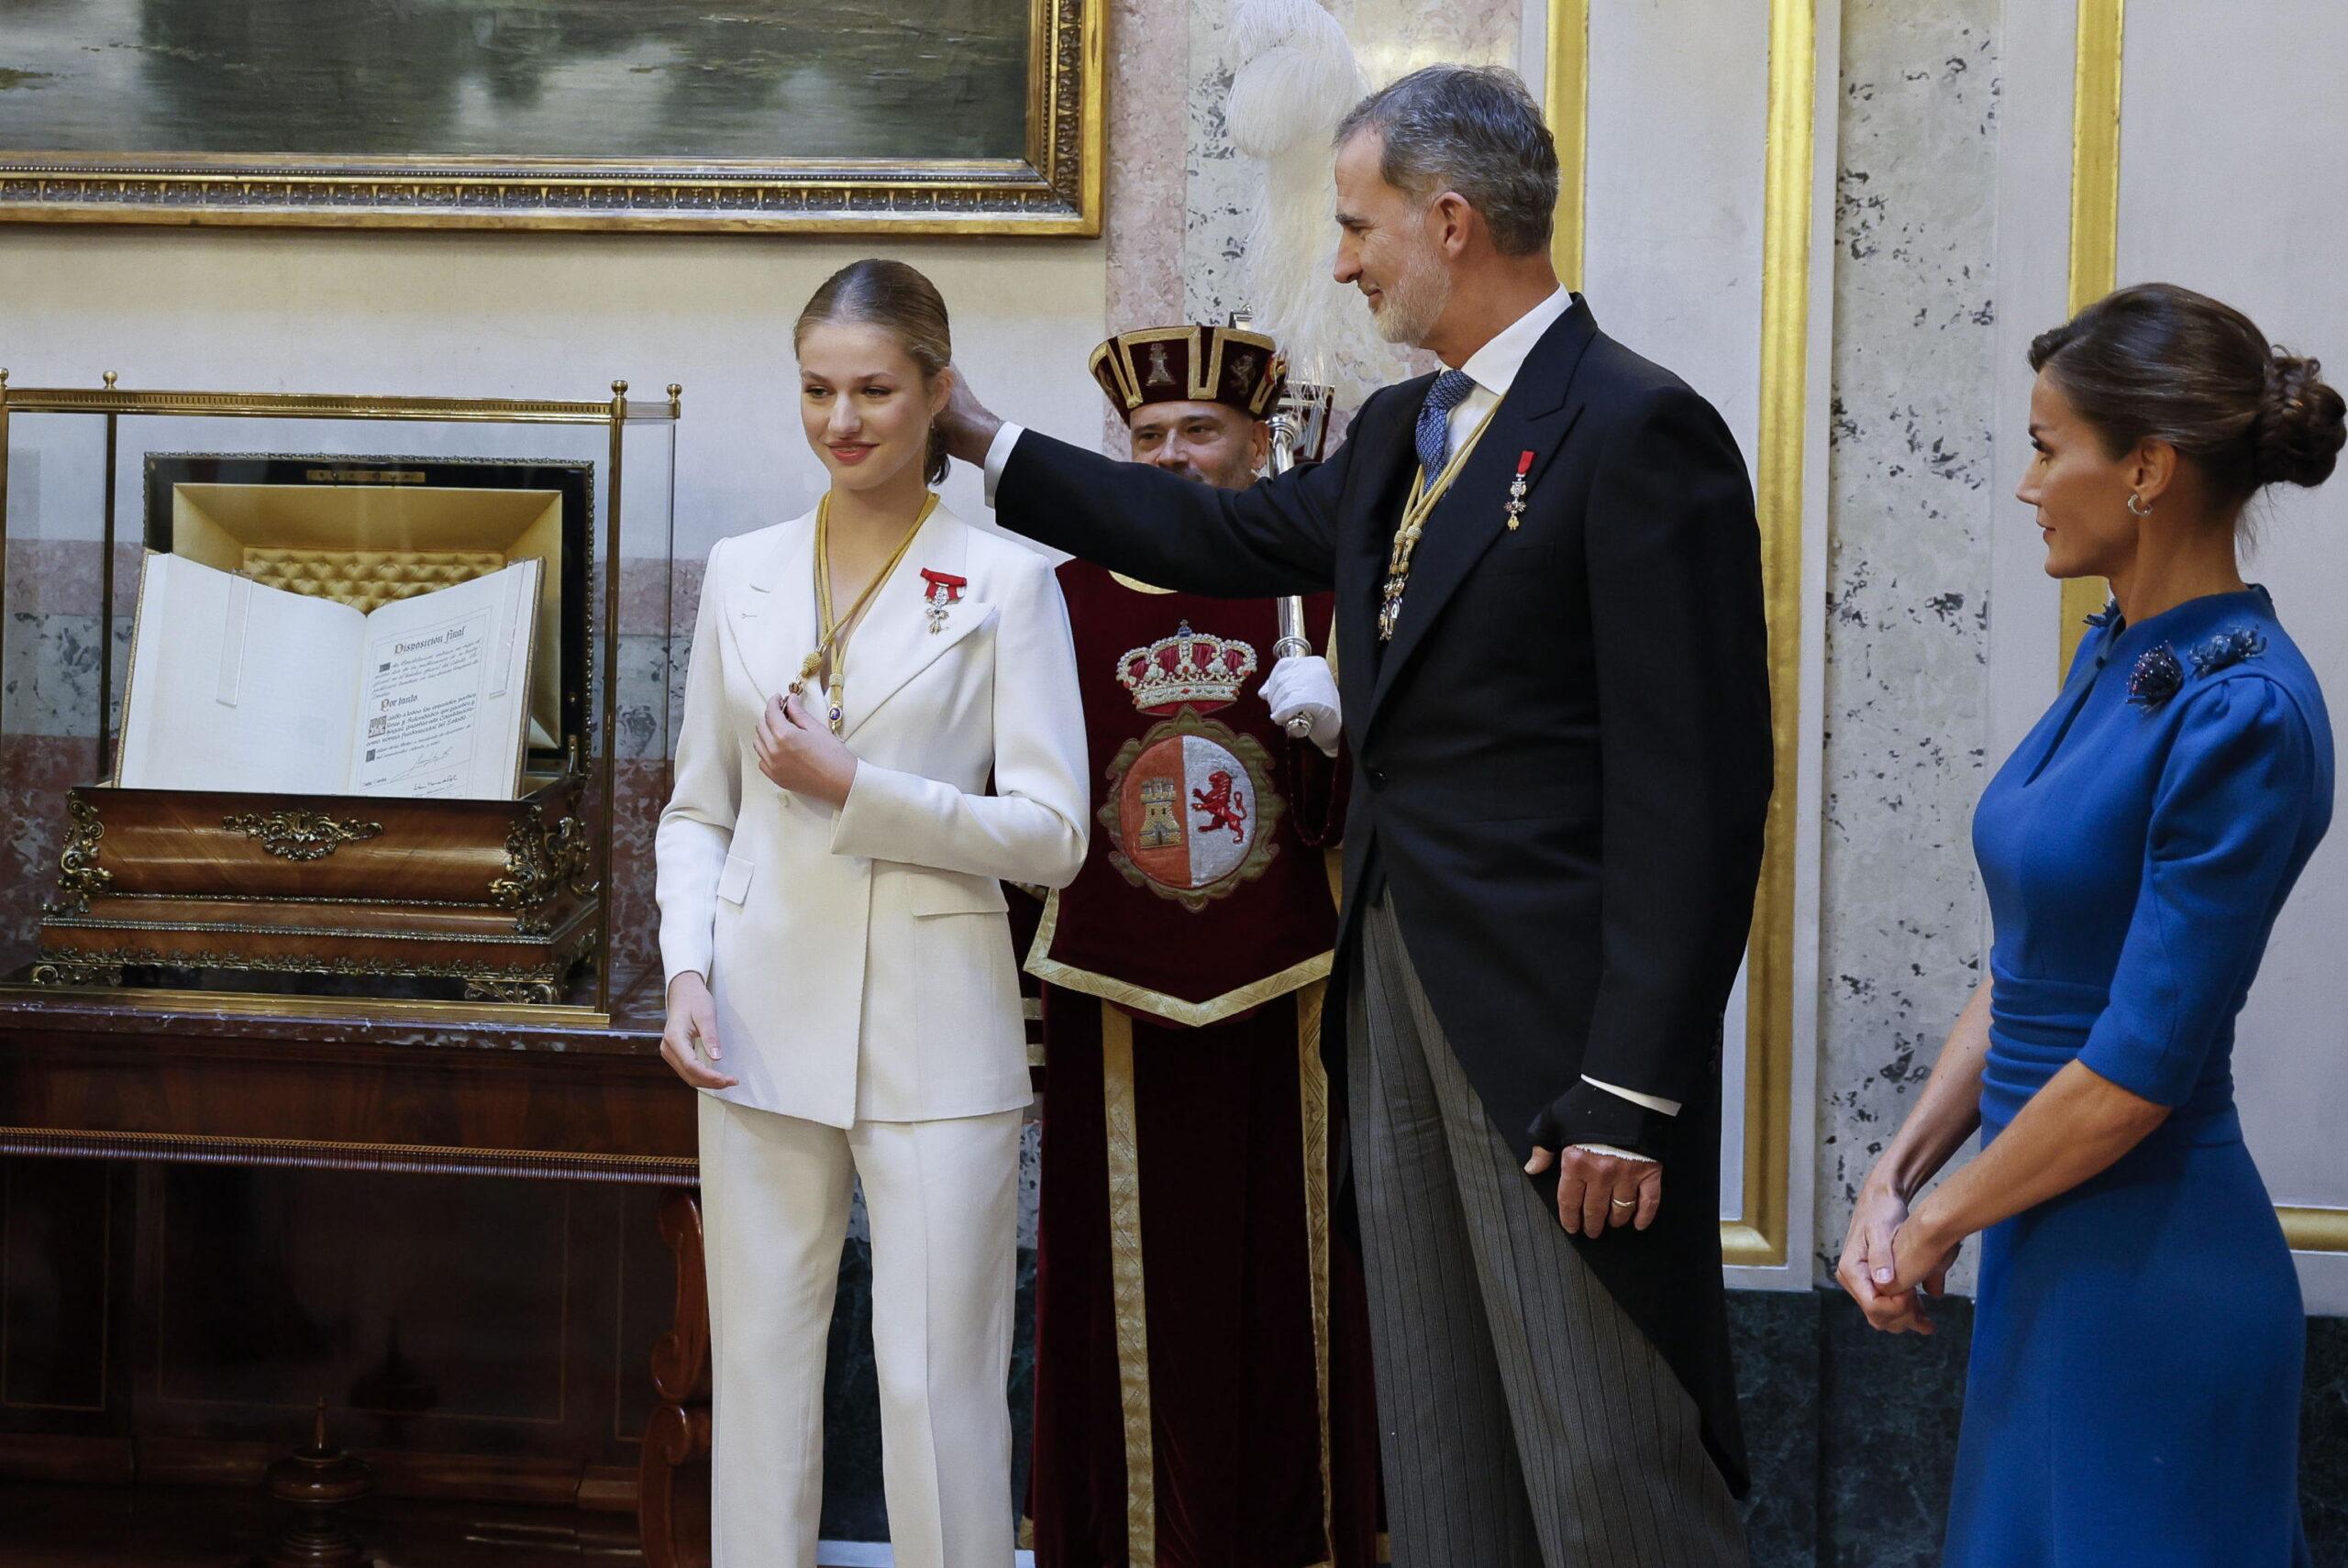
x=1626 y=1203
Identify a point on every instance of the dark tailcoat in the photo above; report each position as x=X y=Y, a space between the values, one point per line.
x=1562 y=761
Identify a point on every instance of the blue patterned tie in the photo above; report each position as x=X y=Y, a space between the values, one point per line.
x=1450 y=390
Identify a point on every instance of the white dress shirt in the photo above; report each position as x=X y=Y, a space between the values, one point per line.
x=1494 y=367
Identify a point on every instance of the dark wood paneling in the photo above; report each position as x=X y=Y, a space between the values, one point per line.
x=157 y=1527
x=646 y=1307
x=448 y=1108
x=399 y=1473
x=53 y=1456
x=404 y=1297
x=298 y=1207
x=56 y=1284
x=526 y=1316
x=475 y=1321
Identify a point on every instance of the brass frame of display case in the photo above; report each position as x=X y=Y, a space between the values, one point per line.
x=111 y=402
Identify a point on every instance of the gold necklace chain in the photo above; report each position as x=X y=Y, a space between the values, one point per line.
x=834 y=629
x=1424 y=499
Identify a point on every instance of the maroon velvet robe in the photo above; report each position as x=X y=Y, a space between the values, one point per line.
x=1185 y=1227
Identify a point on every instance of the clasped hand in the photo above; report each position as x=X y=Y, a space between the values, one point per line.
x=1891 y=1262
x=800 y=754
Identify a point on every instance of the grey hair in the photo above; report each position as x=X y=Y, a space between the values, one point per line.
x=1473 y=130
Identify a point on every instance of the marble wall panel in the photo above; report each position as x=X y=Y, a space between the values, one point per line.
x=1912 y=476
x=35 y=773
x=1148 y=140
x=1390 y=36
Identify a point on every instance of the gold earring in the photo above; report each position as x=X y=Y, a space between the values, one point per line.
x=2137 y=506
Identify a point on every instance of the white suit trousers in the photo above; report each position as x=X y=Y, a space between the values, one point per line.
x=943 y=1201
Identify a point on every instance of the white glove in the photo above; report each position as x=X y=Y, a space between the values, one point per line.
x=1303 y=685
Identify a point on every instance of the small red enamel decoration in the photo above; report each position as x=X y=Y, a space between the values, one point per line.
x=1516 y=490
x=945 y=590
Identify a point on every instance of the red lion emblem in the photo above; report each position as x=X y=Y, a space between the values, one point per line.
x=1223 y=811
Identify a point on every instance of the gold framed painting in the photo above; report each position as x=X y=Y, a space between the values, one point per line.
x=826 y=116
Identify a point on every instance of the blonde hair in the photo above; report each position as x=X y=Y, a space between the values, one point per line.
x=899 y=300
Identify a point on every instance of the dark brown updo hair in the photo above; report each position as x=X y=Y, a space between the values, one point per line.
x=2163 y=362
x=897 y=298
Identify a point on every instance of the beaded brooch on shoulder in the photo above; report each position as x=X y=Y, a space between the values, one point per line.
x=2159 y=675
x=2156 y=678
x=2228 y=648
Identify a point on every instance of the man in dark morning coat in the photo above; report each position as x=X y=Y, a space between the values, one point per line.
x=1562 y=759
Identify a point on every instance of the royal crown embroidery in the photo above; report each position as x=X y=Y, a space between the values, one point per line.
x=1197 y=670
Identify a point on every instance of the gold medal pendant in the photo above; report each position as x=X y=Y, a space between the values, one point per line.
x=831 y=639
x=1515 y=508
x=1424 y=496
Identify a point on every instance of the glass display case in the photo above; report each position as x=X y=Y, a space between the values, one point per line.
x=308 y=697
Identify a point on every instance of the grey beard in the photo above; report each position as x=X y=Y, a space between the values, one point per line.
x=1411 y=311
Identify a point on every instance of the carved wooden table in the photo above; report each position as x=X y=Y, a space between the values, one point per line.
x=95 y=1076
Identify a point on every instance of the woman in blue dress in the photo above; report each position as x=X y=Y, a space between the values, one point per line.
x=2133 y=1396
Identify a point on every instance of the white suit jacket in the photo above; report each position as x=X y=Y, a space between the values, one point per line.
x=861 y=959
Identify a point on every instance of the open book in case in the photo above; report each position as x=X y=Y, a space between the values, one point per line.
x=238 y=685
x=357 y=714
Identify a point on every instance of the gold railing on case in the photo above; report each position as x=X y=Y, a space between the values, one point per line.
x=333 y=406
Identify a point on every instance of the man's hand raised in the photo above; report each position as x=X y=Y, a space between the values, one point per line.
x=967 y=424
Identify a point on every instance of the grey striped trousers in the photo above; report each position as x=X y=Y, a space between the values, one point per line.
x=1523 y=1421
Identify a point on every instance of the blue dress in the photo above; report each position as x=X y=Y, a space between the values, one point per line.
x=2133 y=1397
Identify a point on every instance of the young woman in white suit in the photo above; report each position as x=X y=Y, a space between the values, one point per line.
x=841 y=981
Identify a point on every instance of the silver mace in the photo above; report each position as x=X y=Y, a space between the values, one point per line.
x=1300 y=424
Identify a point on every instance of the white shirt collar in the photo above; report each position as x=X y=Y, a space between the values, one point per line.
x=1495 y=365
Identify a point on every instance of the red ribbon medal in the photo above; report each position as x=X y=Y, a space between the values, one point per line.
x=1516 y=490
x=945 y=589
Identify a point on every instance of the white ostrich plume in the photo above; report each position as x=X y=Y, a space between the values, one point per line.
x=1296 y=78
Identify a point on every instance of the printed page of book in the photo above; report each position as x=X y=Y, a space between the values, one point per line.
x=444 y=691
x=235 y=685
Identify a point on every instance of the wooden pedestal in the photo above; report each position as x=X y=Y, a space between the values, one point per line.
x=493 y=894
x=672 y=1493
x=215 y=1217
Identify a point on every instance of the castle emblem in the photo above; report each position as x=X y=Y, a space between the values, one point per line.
x=1160 y=828
x=1191 y=810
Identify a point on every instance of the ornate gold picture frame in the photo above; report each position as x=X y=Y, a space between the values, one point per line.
x=973 y=117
